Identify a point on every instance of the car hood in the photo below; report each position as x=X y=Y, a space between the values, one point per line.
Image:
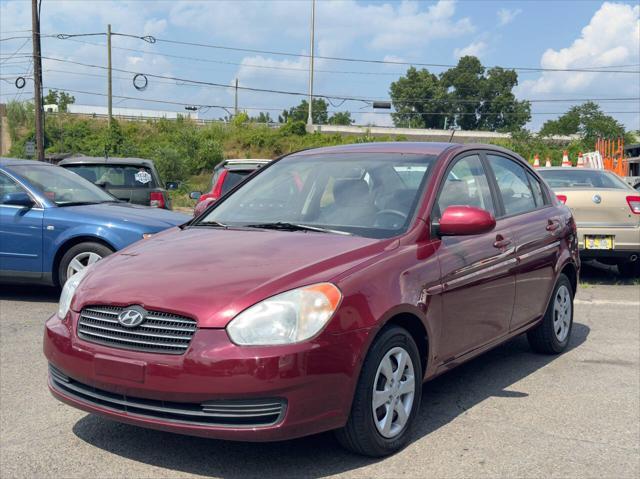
x=213 y=274
x=129 y=214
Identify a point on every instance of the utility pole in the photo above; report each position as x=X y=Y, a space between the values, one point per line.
x=109 y=80
x=235 y=106
x=313 y=27
x=37 y=79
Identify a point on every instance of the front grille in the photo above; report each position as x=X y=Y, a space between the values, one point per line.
x=232 y=413
x=159 y=333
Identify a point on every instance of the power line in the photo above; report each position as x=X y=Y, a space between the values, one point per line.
x=280 y=92
x=387 y=62
x=201 y=106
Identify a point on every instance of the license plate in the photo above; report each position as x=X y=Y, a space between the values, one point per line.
x=598 y=242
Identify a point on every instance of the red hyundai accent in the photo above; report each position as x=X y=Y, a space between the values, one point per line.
x=319 y=295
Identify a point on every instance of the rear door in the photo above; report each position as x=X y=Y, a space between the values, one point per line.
x=20 y=234
x=477 y=270
x=535 y=225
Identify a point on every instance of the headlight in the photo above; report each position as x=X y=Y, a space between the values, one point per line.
x=69 y=290
x=286 y=318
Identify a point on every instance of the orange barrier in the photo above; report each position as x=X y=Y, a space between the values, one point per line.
x=612 y=152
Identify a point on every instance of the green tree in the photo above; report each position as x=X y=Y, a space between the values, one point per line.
x=418 y=100
x=301 y=112
x=262 y=118
x=586 y=120
x=341 y=118
x=60 y=98
x=467 y=96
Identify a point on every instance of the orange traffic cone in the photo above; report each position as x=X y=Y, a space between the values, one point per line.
x=565 y=159
x=536 y=161
x=580 y=161
x=548 y=163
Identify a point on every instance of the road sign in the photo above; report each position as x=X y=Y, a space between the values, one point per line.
x=30 y=148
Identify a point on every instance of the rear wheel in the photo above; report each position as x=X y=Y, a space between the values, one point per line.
x=552 y=335
x=80 y=256
x=387 y=396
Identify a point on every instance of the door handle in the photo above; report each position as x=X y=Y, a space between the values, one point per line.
x=501 y=242
x=553 y=225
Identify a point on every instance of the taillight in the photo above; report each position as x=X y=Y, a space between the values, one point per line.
x=217 y=189
x=156 y=199
x=634 y=204
x=562 y=198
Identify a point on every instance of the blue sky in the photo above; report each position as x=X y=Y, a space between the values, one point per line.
x=553 y=34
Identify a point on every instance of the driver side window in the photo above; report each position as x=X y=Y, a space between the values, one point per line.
x=466 y=185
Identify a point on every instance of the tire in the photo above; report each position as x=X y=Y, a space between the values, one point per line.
x=553 y=334
x=629 y=269
x=361 y=434
x=84 y=253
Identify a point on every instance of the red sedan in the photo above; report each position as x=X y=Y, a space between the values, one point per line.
x=319 y=295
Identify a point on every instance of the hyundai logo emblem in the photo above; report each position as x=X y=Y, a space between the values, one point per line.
x=597 y=199
x=131 y=317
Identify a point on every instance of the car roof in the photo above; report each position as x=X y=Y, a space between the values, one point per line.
x=410 y=147
x=97 y=160
x=17 y=162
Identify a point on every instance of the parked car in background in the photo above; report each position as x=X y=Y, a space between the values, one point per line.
x=53 y=223
x=134 y=180
x=607 y=211
x=320 y=294
x=225 y=176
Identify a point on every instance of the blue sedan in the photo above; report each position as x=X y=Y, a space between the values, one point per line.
x=54 y=223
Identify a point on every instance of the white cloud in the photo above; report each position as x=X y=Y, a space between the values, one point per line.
x=506 y=16
x=611 y=38
x=476 y=49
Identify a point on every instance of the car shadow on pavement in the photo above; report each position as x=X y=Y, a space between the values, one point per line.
x=444 y=399
x=29 y=293
x=594 y=272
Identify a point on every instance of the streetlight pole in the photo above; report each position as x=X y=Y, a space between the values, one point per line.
x=37 y=79
x=109 y=78
x=313 y=27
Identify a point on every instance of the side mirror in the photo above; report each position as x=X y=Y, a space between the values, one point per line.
x=172 y=185
x=195 y=195
x=19 y=198
x=465 y=220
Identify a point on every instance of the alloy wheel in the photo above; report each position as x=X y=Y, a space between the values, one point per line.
x=393 y=392
x=562 y=313
x=81 y=261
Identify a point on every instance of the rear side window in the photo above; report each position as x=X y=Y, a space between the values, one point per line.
x=513 y=185
x=538 y=195
x=466 y=185
x=116 y=176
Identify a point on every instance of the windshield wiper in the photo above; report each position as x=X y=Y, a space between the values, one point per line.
x=286 y=226
x=79 y=203
x=212 y=224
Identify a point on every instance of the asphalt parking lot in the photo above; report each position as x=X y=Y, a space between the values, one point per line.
x=509 y=413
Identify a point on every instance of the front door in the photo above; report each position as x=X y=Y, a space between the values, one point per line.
x=476 y=270
x=20 y=235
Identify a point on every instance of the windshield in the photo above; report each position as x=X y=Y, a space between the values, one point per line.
x=574 y=178
x=116 y=176
x=371 y=195
x=62 y=187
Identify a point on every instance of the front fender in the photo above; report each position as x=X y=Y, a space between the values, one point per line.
x=114 y=237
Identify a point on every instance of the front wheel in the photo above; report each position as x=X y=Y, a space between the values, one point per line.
x=79 y=257
x=552 y=335
x=387 y=396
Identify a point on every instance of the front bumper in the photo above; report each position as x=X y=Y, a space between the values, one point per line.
x=313 y=381
x=626 y=241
